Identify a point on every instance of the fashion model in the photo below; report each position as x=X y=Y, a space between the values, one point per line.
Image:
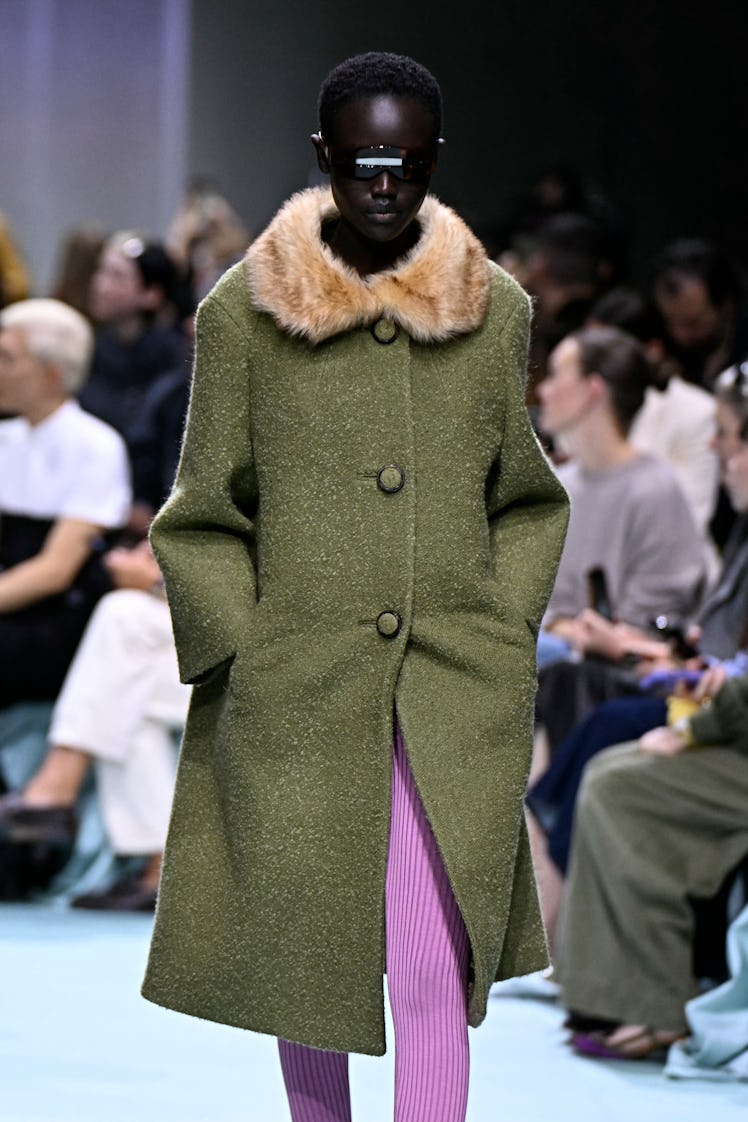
x=359 y=547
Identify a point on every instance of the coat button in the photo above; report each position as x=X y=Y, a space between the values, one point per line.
x=390 y=479
x=388 y=624
x=385 y=331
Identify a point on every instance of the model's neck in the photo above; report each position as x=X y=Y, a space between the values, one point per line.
x=365 y=256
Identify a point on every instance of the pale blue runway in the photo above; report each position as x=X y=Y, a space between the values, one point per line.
x=79 y=1044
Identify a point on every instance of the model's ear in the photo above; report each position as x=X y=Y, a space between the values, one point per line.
x=323 y=159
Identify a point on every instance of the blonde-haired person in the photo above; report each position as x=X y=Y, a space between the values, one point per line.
x=64 y=485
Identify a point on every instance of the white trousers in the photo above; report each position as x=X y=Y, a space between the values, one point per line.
x=121 y=702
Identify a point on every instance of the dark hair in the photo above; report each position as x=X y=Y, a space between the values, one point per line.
x=620 y=361
x=375 y=74
x=731 y=388
x=157 y=269
x=694 y=257
x=574 y=249
x=626 y=308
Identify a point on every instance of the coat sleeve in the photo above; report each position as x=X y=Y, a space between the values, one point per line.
x=725 y=721
x=204 y=536
x=527 y=507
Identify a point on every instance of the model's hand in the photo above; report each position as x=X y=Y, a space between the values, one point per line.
x=133 y=568
x=663 y=742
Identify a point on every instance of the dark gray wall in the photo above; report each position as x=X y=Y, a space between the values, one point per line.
x=647 y=98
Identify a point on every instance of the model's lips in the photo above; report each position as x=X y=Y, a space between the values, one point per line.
x=383 y=215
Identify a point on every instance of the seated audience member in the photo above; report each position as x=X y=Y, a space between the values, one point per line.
x=569 y=692
x=64 y=484
x=722 y=631
x=133 y=300
x=630 y=525
x=660 y=822
x=698 y=292
x=118 y=708
x=77 y=261
x=14 y=277
x=565 y=272
x=676 y=420
x=206 y=236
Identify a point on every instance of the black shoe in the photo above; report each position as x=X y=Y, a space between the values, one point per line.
x=21 y=823
x=128 y=895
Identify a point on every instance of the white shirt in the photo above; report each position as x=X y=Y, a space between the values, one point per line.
x=678 y=425
x=71 y=465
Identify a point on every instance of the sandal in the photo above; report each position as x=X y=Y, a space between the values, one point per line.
x=627 y=1042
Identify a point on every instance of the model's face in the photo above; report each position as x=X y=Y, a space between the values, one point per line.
x=23 y=377
x=379 y=209
x=565 y=393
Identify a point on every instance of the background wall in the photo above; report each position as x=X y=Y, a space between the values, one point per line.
x=93 y=117
x=106 y=107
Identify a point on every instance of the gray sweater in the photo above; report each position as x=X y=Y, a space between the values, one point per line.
x=633 y=522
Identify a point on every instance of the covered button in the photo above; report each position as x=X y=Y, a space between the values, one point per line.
x=388 y=624
x=390 y=478
x=385 y=331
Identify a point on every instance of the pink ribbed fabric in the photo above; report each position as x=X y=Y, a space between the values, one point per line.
x=427 y=961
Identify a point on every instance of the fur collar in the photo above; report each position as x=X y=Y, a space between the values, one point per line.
x=439 y=289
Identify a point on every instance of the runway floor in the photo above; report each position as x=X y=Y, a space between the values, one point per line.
x=79 y=1044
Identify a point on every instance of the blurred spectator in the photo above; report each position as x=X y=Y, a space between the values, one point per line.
x=64 y=483
x=206 y=235
x=698 y=291
x=632 y=549
x=566 y=270
x=676 y=420
x=138 y=301
x=118 y=709
x=658 y=824
x=77 y=261
x=14 y=277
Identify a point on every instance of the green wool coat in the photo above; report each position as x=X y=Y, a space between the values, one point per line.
x=313 y=593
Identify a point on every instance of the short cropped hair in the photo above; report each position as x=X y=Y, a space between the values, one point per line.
x=621 y=362
x=54 y=333
x=377 y=74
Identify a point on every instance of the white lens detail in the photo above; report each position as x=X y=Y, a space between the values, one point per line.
x=379 y=161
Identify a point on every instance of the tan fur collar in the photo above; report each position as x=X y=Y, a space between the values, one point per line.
x=439 y=289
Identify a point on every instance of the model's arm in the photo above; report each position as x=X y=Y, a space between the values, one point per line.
x=203 y=537
x=527 y=507
x=67 y=547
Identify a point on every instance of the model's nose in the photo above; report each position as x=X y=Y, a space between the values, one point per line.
x=384 y=184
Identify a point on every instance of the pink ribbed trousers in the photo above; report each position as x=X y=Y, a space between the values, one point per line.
x=427 y=963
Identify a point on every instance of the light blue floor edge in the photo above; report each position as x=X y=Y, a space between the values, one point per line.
x=79 y=1044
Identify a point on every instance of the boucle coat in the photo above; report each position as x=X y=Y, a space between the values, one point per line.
x=313 y=593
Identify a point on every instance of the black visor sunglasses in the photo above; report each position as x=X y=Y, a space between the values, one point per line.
x=368 y=163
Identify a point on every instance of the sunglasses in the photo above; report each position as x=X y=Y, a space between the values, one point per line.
x=368 y=163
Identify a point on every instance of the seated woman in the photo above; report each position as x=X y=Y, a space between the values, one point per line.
x=659 y=822
x=723 y=630
x=118 y=708
x=630 y=526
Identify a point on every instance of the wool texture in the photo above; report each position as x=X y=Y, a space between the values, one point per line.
x=281 y=550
